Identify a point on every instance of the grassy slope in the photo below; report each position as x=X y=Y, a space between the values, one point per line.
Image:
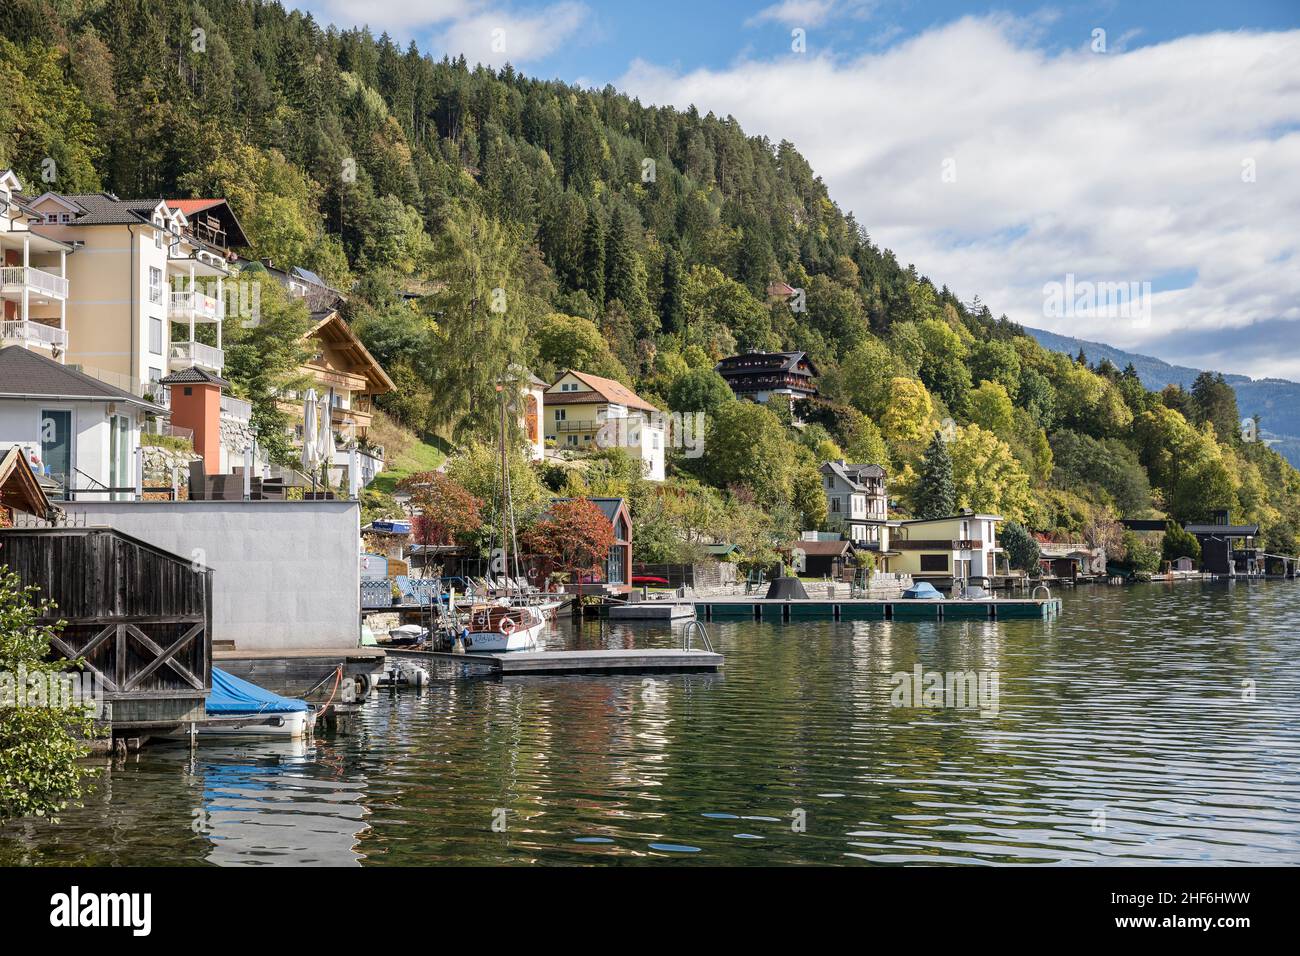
x=416 y=457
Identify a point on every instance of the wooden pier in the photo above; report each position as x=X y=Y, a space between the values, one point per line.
x=829 y=609
x=518 y=663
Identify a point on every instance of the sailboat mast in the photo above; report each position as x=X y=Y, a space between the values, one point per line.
x=506 y=504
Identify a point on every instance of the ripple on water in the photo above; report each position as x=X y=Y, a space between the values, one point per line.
x=1146 y=724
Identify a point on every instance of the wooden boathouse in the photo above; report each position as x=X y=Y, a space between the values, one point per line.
x=139 y=616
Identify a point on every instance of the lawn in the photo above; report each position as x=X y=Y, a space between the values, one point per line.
x=414 y=458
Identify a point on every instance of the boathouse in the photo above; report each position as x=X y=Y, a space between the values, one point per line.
x=140 y=618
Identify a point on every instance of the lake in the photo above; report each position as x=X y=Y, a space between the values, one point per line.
x=1147 y=724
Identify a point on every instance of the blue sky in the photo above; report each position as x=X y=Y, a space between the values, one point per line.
x=998 y=147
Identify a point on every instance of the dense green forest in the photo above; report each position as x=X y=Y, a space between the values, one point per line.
x=482 y=219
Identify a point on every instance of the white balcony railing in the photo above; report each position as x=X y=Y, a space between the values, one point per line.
x=33 y=333
x=237 y=408
x=204 y=307
x=16 y=278
x=185 y=354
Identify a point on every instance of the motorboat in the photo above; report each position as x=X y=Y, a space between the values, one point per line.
x=238 y=708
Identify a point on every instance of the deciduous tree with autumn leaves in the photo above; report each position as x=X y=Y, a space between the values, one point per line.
x=445 y=512
x=574 y=535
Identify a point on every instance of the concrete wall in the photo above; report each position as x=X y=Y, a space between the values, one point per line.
x=286 y=574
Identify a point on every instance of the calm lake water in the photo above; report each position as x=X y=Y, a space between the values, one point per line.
x=1154 y=724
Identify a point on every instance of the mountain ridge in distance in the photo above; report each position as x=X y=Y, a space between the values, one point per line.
x=1275 y=400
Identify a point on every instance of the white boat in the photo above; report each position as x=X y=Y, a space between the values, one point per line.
x=294 y=726
x=238 y=708
x=500 y=627
x=408 y=634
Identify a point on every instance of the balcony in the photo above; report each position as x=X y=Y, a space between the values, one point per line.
x=186 y=305
x=578 y=426
x=185 y=354
x=236 y=408
x=33 y=334
x=16 y=279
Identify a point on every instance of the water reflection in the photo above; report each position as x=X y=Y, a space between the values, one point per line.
x=1124 y=733
x=276 y=807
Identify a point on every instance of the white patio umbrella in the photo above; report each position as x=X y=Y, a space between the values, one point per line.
x=325 y=439
x=310 y=445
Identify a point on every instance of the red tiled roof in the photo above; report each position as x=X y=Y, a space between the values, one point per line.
x=607 y=389
x=191 y=206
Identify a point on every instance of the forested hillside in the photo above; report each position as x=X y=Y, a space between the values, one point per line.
x=1276 y=401
x=482 y=219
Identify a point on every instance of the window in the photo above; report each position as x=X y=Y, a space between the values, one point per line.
x=559 y=414
x=56 y=445
x=934 y=562
x=157 y=233
x=155 y=335
x=835 y=505
x=155 y=284
x=573 y=439
x=654 y=441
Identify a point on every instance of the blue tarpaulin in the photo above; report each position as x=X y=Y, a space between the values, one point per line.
x=230 y=695
x=923 y=591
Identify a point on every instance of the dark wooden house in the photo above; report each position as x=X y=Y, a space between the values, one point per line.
x=140 y=617
x=760 y=375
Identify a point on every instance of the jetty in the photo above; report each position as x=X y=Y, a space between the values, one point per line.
x=866 y=609
x=652 y=660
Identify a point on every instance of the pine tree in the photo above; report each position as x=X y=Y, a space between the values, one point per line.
x=670 y=303
x=621 y=265
x=593 y=258
x=936 y=495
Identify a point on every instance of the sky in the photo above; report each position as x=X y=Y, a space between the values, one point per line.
x=1031 y=154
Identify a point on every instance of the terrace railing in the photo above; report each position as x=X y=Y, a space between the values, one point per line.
x=17 y=278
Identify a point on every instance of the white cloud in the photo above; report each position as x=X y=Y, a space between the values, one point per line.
x=402 y=18
x=1118 y=167
x=496 y=37
x=810 y=13
x=483 y=31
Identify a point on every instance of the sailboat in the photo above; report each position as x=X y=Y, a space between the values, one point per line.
x=508 y=624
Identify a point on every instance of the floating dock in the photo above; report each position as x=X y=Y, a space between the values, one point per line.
x=650 y=610
x=899 y=609
x=515 y=663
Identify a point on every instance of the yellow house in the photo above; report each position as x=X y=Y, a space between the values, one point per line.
x=147 y=290
x=587 y=412
x=957 y=546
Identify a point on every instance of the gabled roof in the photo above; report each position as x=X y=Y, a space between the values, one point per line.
x=219 y=208
x=852 y=475
x=615 y=393
x=25 y=374
x=609 y=507
x=104 y=209
x=332 y=328
x=19 y=487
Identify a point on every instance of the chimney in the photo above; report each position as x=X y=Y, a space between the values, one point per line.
x=196 y=405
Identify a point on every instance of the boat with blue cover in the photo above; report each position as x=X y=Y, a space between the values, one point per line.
x=238 y=708
x=922 y=591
